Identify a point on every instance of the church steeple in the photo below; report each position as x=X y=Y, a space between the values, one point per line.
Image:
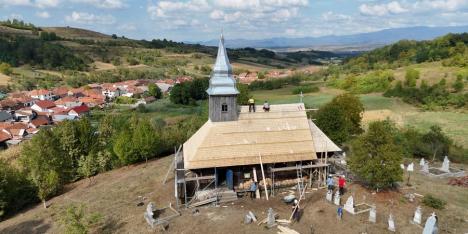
x=222 y=90
x=222 y=81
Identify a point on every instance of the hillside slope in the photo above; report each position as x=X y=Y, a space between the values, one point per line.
x=76 y=33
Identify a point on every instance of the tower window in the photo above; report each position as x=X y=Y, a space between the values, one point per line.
x=224 y=107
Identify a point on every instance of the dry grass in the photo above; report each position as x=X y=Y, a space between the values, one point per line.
x=115 y=195
x=4 y=79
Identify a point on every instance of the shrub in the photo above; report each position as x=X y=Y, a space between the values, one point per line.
x=433 y=202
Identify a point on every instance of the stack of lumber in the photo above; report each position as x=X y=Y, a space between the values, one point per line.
x=286 y=230
x=227 y=196
x=462 y=181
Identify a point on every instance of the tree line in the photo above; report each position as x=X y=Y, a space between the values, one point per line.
x=79 y=149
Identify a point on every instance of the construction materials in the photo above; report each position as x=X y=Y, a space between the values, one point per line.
x=462 y=181
x=286 y=230
x=263 y=176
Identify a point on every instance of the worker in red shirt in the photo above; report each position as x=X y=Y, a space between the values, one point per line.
x=341 y=184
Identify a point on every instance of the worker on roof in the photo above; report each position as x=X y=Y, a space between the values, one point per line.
x=266 y=106
x=251 y=105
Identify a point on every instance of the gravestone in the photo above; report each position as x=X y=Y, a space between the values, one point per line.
x=410 y=167
x=337 y=199
x=417 y=216
x=445 y=165
x=329 y=196
x=391 y=223
x=425 y=168
x=402 y=166
x=373 y=215
x=422 y=162
x=271 y=222
x=247 y=219
x=349 y=206
x=149 y=214
x=431 y=225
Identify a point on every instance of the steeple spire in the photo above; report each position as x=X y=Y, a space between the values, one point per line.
x=222 y=81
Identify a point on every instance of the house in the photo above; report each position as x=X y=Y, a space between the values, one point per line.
x=9 y=104
x=92 y=102
x=59 y=110
x=131 y=91
x=60 y=92
x=40 y=121
x=43 y=106
x=111 y=92
x=62 y=117
x=165 y=88
x=235 y=145
x=68 y=102
x=5 y=116
x=41 y=94
x=4 y=137
x=79 y=111
x=25 y=115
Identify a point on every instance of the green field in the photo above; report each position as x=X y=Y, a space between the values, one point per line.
x=377 y=107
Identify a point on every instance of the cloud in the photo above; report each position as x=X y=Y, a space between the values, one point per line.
x=88 y=18
x=105 y=4
x=382 y=9
x=127 y=27
x=43 y=14
x=169 y=8
x=31 y=3
x=445 y=5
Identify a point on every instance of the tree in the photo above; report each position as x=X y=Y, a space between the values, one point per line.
x=77 y=220
x=154 y=91
x=5 y=68
x=42 y=157
x=244 y=94
x=376 y=157
x=438 y=141
x=88 y=166
x=341 y=118
x=411 y=76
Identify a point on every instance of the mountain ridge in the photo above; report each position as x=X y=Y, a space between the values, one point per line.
x=368 y=40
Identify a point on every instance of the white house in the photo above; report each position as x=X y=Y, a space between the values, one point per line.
x=41 y=94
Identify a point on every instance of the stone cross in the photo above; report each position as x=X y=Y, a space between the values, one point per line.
x=445 y=165
x=410 y=167
x=349 y=206
x=271 y=218
x=417 y=216
x=391 y=223
x=431 y=225
x=373 y=214
x=337 y=198
x=422 y=162
x=425 y=168
x=329 y=196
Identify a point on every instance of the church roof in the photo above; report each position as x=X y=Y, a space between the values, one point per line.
x=281 y=135
x=222 y=81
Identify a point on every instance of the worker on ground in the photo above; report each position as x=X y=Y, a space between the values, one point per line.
x=330 y=183
x=296 y=211
x=341 y=184
x=251 y=105
x=253 y=189
x=266 y=106
x=339 y=212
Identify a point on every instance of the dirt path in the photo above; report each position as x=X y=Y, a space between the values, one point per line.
x=115 y=195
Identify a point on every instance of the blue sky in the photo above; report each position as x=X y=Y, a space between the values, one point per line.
x=195 y=20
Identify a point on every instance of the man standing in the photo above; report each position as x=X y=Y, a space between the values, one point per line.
x=251 y=105
x=341 y=184
x=330 y=183
x=253 y=189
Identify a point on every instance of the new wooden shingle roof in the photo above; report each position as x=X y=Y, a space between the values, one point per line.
x=281 y=135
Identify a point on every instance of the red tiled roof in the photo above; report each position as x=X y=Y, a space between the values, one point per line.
x=60 y=91
x=4 y=136
x=39 y=121
x=80 y=109
x=39 y=92
x=45 y=104
x=59 y=110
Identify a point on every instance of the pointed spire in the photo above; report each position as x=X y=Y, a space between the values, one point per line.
x=222 y=81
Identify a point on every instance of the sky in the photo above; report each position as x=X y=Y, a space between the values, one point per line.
x=200 y=20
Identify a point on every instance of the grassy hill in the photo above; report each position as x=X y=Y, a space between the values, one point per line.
x=76 y=33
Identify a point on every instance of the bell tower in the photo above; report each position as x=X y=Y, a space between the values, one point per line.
x=222 y=90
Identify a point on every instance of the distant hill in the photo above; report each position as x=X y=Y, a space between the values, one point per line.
x=362 y=41
x=76 y=33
